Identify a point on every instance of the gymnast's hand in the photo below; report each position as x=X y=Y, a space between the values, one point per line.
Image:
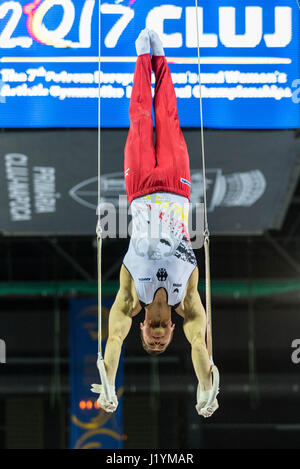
x=102 y=401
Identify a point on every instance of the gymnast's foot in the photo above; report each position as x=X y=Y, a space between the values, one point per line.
x=156 y=44
x=142 y=44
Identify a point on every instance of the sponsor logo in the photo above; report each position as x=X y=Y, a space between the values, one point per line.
x=145 y=279
x=31 y=190
x=176 y=290
x=185 y=181
x=162 y=274
x=177 y=284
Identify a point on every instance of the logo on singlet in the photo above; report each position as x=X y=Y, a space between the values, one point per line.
x=162 y=274
x=145 y=279
x=185 y=181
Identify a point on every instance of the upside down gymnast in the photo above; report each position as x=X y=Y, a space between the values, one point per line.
x=159 y=274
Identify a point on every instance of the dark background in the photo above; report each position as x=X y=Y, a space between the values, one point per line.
x=251 y=177
x=259 y=398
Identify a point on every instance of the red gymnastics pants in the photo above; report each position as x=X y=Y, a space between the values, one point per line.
x=164 y=167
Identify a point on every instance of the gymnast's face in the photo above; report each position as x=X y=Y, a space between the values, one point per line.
x=157 y=335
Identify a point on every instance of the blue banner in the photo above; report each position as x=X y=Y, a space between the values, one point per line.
x=90 y=426
x=250 y=53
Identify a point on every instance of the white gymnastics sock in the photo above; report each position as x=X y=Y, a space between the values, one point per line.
x=156 y=44
x=142 y=44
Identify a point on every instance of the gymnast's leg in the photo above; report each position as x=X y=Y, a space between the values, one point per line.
x=139 y=153
x=171 y=150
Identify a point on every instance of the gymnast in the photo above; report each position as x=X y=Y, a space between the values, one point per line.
x=159 y=274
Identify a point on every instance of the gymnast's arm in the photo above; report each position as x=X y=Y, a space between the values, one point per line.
x=194 y=327
x=119 y=325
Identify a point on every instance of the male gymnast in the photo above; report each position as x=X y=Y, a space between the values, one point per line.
x=159 y=274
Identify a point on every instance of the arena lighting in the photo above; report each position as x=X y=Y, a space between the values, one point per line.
x=88 y=405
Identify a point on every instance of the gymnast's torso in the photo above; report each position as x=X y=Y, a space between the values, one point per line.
x=160 y=253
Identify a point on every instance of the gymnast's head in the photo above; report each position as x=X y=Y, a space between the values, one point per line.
x=156 y=335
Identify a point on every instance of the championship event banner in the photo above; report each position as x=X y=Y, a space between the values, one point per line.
x=250 y=61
